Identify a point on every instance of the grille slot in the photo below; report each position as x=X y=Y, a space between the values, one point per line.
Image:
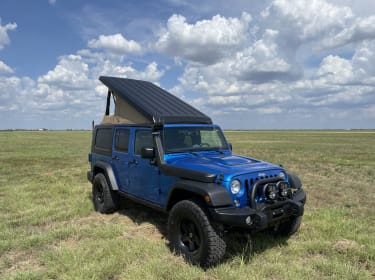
x=259 y=195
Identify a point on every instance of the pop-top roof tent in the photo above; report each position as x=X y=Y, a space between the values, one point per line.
x=141 y=102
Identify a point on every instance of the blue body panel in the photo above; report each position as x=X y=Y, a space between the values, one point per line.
x=136 y=176
x=227 y=164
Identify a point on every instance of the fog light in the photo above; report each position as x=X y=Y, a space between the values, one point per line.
x=248 y=220
x=237 y=202
x=270 y=190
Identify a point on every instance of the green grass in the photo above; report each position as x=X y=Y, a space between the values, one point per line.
x=48 y=229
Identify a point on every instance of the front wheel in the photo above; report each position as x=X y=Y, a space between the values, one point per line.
x=191 y=235
x=290 y=227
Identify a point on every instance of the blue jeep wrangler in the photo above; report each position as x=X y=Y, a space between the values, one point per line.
x=161 y=152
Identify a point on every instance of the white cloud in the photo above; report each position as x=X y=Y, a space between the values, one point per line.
x=14 y=92
x=336 y=69
x=364 y=61
x=5 y=68
x=306 y=20
x=206 y=41
x=4 y=38
x=107 y=64
x=116 y=44
x=71 y=90
x=263 y=61
x=70 y=72
x=150 y=73
x=361 y=29
x=360 y=69
x=264 y=77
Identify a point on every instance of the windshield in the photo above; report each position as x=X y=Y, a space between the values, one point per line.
x=190 y=139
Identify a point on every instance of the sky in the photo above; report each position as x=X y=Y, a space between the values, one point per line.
x=282 y=64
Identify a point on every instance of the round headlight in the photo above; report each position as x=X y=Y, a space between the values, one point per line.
x=235 y=186
x=271 y=190
x=282 y=175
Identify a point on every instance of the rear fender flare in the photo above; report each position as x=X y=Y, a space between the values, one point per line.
x=108 y=173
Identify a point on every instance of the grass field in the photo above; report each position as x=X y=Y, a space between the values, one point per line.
x=48 y=229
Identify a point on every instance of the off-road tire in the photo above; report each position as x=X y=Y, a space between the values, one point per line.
x=205 y=247
x=289 y=228
x=104 y=199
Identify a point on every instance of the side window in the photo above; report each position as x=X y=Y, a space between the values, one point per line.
x=143 y=138
x=103 y=139
x=122 y=140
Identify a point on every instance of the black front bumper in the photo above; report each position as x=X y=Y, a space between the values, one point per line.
x=263 y=215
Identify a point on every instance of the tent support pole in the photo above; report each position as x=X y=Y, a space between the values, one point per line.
x=108 y=103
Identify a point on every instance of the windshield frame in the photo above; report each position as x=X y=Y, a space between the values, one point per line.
x=223 y=140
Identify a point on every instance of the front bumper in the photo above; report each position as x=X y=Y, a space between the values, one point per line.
x=263 y=215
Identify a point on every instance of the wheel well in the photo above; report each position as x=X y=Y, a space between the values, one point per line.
x=179 y=195
x=98 y=170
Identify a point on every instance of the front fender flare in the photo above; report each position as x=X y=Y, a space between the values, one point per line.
x=294 y=181
x=218 y=195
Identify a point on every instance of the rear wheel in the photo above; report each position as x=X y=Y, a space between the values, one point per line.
x=104 y=199
x=192 y=235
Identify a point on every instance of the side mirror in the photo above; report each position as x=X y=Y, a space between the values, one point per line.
x=148 y=152
x=230 y=146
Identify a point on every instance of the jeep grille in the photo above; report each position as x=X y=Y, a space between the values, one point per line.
x=251 y=180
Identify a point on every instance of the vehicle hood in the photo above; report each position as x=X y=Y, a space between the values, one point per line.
x=228 y=165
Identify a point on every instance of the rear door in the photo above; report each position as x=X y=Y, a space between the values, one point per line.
x=121 y=157
x=144 y=177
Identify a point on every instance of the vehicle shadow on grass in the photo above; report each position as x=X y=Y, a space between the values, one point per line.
x=239 y=242
x=140 y=214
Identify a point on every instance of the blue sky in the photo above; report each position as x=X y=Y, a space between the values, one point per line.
x=282 y=64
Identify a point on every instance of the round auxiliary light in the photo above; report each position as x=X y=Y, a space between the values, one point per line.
x=235 y=186
x=271 y=190
x=283 y=188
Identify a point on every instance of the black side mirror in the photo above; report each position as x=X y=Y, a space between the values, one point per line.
x=148 y=152
x=230 y=146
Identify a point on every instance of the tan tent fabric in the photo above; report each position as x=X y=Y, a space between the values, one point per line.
x=124 y=114
x=112 y=119
x=124 y=110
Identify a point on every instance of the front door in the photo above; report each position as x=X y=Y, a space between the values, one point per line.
x=144 y=177
x=121 y=156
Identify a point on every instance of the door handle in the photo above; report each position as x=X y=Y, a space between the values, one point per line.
x=133 y=162
x=115 y=157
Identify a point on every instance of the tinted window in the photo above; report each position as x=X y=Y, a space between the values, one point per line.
x=200 y=138
x=143 y=138
x=103 y=139
x=122 y=140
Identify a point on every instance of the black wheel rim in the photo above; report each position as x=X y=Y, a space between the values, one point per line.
x=99 y=194
x=190 y=239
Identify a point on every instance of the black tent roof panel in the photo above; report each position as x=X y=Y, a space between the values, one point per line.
x=155 y=103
